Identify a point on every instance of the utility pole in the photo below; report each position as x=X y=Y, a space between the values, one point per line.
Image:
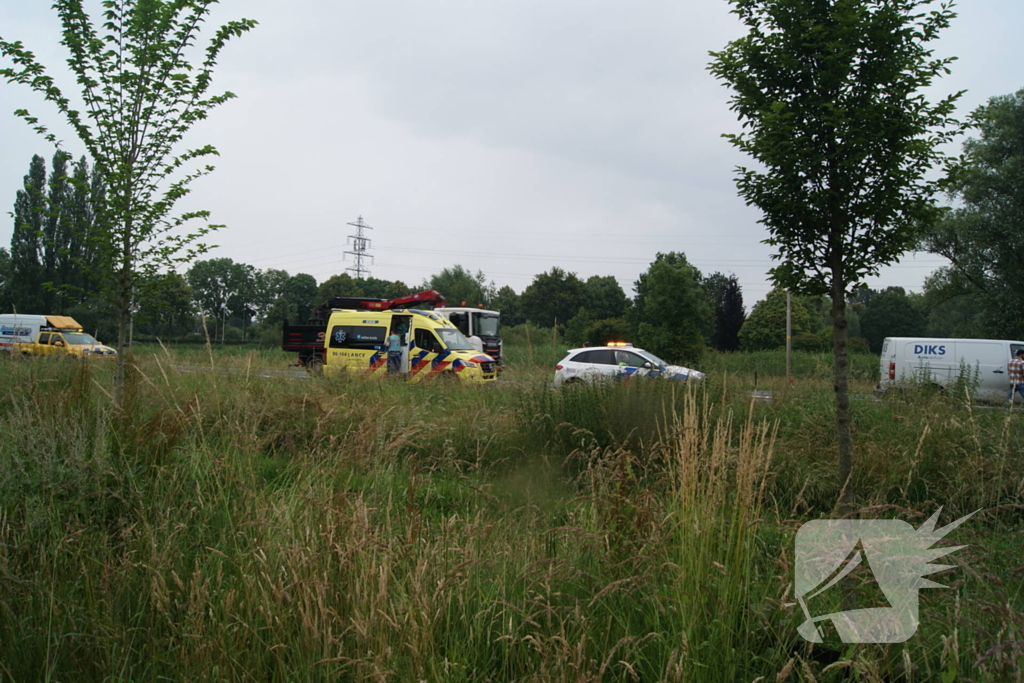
x=360 y=245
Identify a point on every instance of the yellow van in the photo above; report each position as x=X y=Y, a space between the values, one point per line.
x=357 y=341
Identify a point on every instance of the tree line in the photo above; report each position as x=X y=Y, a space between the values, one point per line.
x=675 y=310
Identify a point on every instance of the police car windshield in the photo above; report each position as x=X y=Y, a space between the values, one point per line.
x=79 y=338
x=648 y=354
x=454 y=339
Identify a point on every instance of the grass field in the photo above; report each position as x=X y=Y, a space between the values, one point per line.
x=233 y=526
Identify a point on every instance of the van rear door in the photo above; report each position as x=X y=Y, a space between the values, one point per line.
x=886 y=364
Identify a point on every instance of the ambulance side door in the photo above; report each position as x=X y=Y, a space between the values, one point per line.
x=423 y=352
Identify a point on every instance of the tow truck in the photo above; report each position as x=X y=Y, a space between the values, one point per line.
x=479 y=325
x=308 y=340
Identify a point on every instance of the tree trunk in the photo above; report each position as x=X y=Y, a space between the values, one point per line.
x=124 y=313
x=842 y=388
x=848 y=585
x=123 y=318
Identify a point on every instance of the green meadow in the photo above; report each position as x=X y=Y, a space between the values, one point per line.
x=239 y=522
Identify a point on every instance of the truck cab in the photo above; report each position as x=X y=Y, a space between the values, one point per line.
x=479 y=326
x=431 y=347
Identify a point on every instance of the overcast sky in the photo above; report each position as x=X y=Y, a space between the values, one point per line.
x=507 y=136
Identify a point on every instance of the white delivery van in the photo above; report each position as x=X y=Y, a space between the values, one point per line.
x=943 y=361
x=16 y=328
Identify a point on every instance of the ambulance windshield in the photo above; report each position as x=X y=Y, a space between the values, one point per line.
x=454 y=339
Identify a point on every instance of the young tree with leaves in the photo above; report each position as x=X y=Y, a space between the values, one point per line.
x=830 y=96
x=141 y=95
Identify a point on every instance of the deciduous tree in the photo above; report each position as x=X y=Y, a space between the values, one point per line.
x=460 y=287
x=830 y=96
x=984 y=236
x=141 y=94
x=891 y=314
x=671 y=313
x=210 y=281
x=300 y=293
x=506 y=301
x=165 y=305
x=765 y=327
x=342 y=284
x=604 y=298
x=553 y=298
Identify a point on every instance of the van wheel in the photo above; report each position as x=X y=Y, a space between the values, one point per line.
x=447 y=377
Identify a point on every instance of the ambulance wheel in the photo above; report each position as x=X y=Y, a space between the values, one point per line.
x=315 y=366
x=447 y=377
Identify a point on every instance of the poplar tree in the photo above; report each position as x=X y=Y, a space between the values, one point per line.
x=729 y=316
x=56 y=237
x=74 y=264
x=26 y=270
x=141 y=95
x=829 y=93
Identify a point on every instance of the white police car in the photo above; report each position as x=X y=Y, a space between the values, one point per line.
x=617 y=360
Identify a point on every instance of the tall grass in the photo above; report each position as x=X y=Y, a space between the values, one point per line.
x=231 y=525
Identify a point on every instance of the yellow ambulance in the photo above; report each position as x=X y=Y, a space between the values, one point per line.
x=431 y=347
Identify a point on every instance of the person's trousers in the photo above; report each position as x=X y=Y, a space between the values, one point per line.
x=1019 y=388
